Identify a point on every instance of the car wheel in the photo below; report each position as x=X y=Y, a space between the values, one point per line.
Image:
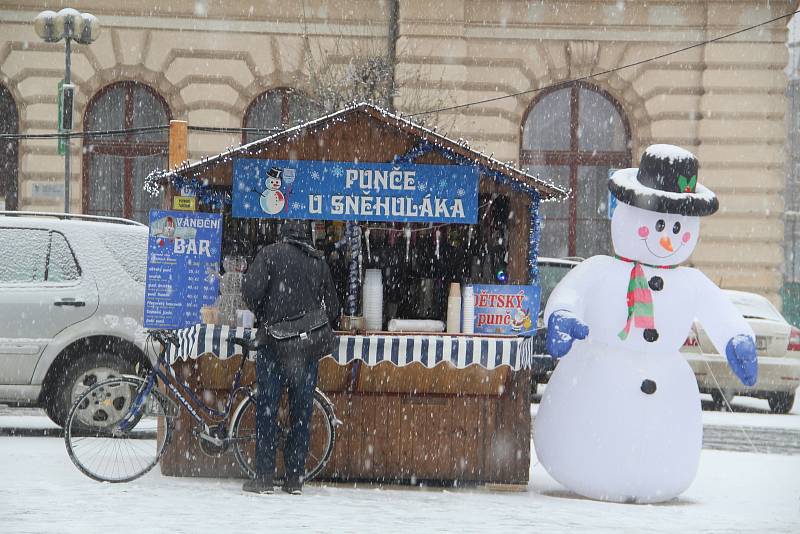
x=718 y=398
x=79 y=376
x=781 y=402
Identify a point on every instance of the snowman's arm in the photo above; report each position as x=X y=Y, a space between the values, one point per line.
x=719 y=317
x=570 y=293
x=565 y=307
x=729 y=332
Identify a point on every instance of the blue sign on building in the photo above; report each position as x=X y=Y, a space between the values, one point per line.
x=347 y=191
x=506 y=310
x=183 y=256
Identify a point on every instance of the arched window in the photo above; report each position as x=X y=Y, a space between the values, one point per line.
x=114 y=167
x=9 y=151
x=572 y=136
x=278 y=109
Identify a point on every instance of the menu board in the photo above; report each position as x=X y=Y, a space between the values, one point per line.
x=506 y=309
x=183 y=258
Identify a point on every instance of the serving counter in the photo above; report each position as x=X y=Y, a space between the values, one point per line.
x=418 y=407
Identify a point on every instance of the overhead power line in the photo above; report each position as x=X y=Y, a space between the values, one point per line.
x=608 y=71
x=93 y=133
x=144 y=129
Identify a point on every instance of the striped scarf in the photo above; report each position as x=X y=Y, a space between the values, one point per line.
x=640 y=298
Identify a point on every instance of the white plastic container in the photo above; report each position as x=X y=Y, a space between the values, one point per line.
x=454 y=309
x=468 y=310
x=372 y=304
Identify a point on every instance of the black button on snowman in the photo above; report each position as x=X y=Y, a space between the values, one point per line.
x=619 y=323
x=656 y=283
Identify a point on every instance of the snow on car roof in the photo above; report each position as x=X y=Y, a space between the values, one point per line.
x=753 y=306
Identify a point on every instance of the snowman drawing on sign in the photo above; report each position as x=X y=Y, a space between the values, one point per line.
x=272 y=198
x=620 y=419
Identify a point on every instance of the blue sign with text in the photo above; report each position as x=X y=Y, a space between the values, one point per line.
x=346 y=191
x=507 y=310
x=183 y=254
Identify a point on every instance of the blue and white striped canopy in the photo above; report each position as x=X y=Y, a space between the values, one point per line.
x=428 y=350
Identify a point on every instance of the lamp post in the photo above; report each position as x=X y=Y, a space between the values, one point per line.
x=71 y=25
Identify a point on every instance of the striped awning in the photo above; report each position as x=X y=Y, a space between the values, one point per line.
x=428 y=350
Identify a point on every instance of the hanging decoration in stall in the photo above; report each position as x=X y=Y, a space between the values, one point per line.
x=355 y=191
x=353 y=234
x=535 y=224
x=183 y=258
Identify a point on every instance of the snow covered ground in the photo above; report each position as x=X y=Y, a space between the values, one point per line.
x=42 y=492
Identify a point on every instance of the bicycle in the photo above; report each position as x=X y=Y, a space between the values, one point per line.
x=119 y=428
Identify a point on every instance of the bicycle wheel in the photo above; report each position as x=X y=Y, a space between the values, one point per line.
x=115 y=432
x=322 y=439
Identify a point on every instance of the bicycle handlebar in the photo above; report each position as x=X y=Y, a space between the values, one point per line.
x=165 y=337
x=246 y=344
x=169 y=337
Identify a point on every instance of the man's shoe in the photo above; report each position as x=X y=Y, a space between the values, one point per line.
x=293 y=487
x=260 y=485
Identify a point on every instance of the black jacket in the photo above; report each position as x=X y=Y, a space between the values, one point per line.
x=286 y=279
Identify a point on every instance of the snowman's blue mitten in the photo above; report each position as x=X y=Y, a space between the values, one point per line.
x=562 y=329
x=741 y=354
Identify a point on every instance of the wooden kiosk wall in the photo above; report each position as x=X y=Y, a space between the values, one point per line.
x=409 y=424
x=398 y=423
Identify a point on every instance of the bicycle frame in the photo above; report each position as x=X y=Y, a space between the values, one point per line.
x=211 y=426
x=181 y=389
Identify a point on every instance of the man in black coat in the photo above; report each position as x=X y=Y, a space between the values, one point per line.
x=285 y=280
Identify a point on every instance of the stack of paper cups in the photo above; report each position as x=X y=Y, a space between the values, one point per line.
x=372 y=304
x=468 y=310
x=454 y=309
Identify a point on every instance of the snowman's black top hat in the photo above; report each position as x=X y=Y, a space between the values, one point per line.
x=666 y=182
x=275 y=172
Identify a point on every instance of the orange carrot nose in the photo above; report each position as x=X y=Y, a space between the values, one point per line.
x=666 y=242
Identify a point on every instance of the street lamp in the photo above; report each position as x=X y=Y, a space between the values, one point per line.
x=71 y=25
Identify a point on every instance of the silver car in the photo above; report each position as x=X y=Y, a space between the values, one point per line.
x=71 y=305
x=778 y=349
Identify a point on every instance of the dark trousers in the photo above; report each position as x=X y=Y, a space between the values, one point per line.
x=299 y=377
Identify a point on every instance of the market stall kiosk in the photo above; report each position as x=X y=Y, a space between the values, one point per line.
x=415 y=403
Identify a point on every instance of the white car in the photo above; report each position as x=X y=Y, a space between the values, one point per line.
x=71 y=305
x=778 y=349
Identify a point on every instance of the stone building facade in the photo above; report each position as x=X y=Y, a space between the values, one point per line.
x=235 y=64
x=791 y=288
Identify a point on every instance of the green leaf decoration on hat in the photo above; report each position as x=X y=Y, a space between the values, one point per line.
x=687 y=185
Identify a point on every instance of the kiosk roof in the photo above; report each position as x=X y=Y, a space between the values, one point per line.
x=546 y=190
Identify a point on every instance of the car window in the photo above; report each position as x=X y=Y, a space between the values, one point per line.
x=23 y=254
x=549 y=277
x=61 y=265
x=129 y=249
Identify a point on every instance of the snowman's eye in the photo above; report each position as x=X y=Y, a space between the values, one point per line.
x=676 y=228
x=660 y=224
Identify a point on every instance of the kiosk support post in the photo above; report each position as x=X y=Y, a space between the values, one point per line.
x=178 y=152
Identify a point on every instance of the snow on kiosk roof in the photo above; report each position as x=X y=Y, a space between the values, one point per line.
x=364 y=132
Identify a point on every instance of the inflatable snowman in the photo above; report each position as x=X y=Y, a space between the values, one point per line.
x=620 y=419
x=272 y=198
